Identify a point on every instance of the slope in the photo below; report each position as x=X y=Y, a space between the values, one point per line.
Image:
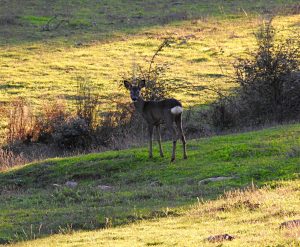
x=35 y=201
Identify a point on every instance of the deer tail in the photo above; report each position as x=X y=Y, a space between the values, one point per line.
x=176 y=110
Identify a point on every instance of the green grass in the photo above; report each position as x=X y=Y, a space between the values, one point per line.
x=104 y=17
x=36 y=20
x=252 y=217
x=32 y=206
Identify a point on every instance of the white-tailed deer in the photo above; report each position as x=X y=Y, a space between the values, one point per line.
x=168 y=111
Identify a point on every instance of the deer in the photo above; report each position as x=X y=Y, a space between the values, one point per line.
x=155 y=113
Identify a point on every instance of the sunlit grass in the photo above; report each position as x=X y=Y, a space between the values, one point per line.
x=253 y=217
x=46 y=70
x=35 y=203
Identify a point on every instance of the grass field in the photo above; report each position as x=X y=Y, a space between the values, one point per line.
x=252 y=218
x=35 y=203
x=49 y=68
x=45 y=66
x=22 y=21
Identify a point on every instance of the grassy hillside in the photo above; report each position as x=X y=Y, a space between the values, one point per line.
x=35 y=202
x=253 y=218
x=103 y=38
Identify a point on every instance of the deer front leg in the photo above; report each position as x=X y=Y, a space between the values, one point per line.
x=150 y=129
x=159 y=141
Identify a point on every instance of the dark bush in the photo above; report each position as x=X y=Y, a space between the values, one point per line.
x=120 y=128
x=72 y=133
x=269 y=85
x=48 y=120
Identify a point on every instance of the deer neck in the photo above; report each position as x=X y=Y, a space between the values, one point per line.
x=139 y=105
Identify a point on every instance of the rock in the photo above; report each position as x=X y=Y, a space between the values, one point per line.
x=183 y=42
x=219 y=238
x=290 y=224
x=105 y=187
x=156 y=183
x=213 y=179
x=71 y=184
x=78 y=43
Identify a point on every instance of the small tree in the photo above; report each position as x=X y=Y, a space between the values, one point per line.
x=157 y=87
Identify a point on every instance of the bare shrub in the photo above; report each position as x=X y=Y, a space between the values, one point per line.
x=196 y=122
x=54 y=23
x=9 y=13
x=49 y=119
x=9 y=159
x=20 y=121
x=269 y=85
x=54 y=125
x=157 y=86
x=8 y=20
x=120 y=128
x=87 y=102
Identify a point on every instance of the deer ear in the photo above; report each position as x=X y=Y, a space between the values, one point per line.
x=127 y=84
x=142 y=83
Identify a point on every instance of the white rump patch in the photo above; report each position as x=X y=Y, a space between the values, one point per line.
x=176 y=110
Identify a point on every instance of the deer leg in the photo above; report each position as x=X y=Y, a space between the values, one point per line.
x=150 y=129
x=159 y=141
x=179 y=126
x=174 y=142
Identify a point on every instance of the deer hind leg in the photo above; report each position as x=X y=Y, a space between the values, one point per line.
x=150 y=130
x=174 y=138
x=178 y=121
x=159 y=141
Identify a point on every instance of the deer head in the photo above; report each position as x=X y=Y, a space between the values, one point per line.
x=135 y=90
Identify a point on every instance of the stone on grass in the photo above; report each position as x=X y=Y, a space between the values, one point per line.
x=105 y=187
x=71 y=184
x=156 y=183
x=213 y=179
x=219 y=238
